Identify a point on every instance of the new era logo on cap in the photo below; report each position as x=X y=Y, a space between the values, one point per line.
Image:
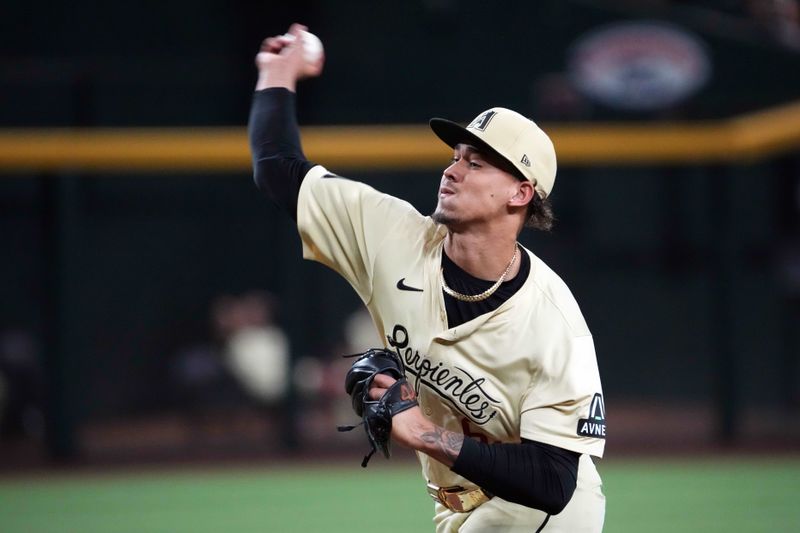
x=525 y=161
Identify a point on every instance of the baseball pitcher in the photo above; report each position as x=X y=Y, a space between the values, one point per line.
x=488 y=369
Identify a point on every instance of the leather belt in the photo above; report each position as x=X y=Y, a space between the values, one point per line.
x=457 y=498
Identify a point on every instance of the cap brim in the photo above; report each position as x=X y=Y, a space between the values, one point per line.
x=453 y=134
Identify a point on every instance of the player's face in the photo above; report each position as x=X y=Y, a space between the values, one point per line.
x=473 y=190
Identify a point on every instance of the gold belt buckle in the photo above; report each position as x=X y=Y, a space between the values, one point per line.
x=457 y=498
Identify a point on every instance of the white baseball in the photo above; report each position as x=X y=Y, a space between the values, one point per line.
x=312 y=46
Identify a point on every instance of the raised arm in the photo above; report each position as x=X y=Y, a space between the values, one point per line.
x=281 y=62
x=278 y=160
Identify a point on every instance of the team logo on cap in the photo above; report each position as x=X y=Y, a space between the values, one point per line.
x=482 y=121
x=595 y=425
x=525 y=161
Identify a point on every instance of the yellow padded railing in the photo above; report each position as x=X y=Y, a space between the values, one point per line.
x=745 y=138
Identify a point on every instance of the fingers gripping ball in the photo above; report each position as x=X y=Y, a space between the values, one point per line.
x=376 y=415
x=312 y=46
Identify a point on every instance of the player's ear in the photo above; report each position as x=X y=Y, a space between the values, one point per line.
x=523 y=195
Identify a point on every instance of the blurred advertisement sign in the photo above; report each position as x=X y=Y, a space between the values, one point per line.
x=642 y=66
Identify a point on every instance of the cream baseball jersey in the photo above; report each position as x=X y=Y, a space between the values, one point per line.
x=526 y=370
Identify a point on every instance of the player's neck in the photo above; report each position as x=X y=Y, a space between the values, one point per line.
x=482 y=256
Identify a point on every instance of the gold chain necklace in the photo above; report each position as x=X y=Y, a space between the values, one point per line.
x=485 y=294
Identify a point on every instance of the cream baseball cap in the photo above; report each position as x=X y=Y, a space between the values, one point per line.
x=511 y=136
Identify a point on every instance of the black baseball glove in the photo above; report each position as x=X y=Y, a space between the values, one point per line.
x=376 y=415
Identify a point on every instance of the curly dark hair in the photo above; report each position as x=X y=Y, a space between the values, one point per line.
x=540 y=214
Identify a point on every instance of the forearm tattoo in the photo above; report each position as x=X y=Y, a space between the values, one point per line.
x=448 y=442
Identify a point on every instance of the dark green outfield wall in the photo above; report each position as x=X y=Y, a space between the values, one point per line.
x=146 y=255
x=678 y=270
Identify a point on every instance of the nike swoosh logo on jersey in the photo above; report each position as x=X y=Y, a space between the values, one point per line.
x=403 y=287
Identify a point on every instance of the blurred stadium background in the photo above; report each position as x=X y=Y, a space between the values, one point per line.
x=167 y=360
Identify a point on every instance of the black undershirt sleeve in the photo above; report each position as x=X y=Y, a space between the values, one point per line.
x=532 y=474
x=279 y=164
